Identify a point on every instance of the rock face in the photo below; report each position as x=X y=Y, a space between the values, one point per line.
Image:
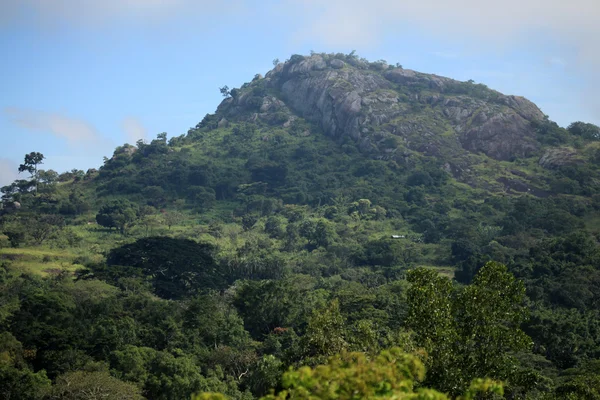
x=372 y=102
x=558 y=157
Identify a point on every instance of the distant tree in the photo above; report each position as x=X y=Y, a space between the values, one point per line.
x=584 y=130
x=248 y=221
x=155 y=195
x=32 y=160
x=275 y=62
x=41 y=227
x=274 y=227
x=173 y=218
x=470 y=333
x=21 y=384
x=82 y=385
x=325 y=333
x=119 y=214
x=149 y=219
x=162 y=137
x=47 y=177
x=177 y=267
x=225 y=91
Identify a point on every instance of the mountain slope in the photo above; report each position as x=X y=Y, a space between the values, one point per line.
x=395 y=114
x=314 y=192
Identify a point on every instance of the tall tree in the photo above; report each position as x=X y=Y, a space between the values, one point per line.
x=470 y=332
x=117 y=214
x=32 y=160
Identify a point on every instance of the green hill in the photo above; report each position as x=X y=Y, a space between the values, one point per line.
x=206 y=262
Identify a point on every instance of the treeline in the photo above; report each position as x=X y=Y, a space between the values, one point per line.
x=62 y=336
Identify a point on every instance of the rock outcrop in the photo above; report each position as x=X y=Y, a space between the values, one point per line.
x=372 y=101
x=558 y=157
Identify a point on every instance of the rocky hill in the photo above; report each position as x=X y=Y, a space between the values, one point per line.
x=323 y=208
x=379 y=105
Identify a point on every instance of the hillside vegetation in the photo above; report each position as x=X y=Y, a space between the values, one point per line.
x=335 y=216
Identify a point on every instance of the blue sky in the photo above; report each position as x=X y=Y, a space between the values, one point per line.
x=82 y=77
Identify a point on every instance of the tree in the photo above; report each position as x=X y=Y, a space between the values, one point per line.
x=177 y=267
x=584 y=130
x=22 y=384
x=155 y=195
x=471 y=332
x=98 y=385
x=275 y=62
x=430 y=316
x=390 y=375
x=325 y=332
x=274 y=227
x=32 y=160
x=17 y=381
x=225 y=91
x=248 y=221
x=173 y=218
x=118 y=214
x=48 y=179
x=41 y=227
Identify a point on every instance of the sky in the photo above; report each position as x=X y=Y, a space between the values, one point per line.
x=81 y=77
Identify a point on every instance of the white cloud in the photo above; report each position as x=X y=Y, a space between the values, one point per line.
x=134 y=130
x=9 y=171
x=75 y=131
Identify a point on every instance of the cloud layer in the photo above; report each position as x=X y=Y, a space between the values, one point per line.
x=75 y=131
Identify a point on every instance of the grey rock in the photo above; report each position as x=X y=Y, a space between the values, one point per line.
x=558 y=157
x=223 y=123
x=337 y=64
x=427 y=111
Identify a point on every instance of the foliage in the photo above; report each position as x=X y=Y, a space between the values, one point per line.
x=176 y=267
x=81 y=385
x=118 y=214
x=390 y=375
x=470 y=333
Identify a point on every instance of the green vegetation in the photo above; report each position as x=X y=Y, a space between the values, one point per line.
x=257 y=257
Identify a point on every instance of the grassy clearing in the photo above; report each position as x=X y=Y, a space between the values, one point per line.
x=448 y=272
x=41 y=261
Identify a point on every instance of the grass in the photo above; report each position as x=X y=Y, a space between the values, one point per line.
x=448 y=272
x=40 y=261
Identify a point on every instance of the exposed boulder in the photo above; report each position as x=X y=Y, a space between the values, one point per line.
x=223 y=123
x=313 y=63
x=501 y=136
x=558 y=157
x=524 y=107
x=337 y=64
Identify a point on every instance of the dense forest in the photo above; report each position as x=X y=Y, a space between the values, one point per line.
x=337 y=229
